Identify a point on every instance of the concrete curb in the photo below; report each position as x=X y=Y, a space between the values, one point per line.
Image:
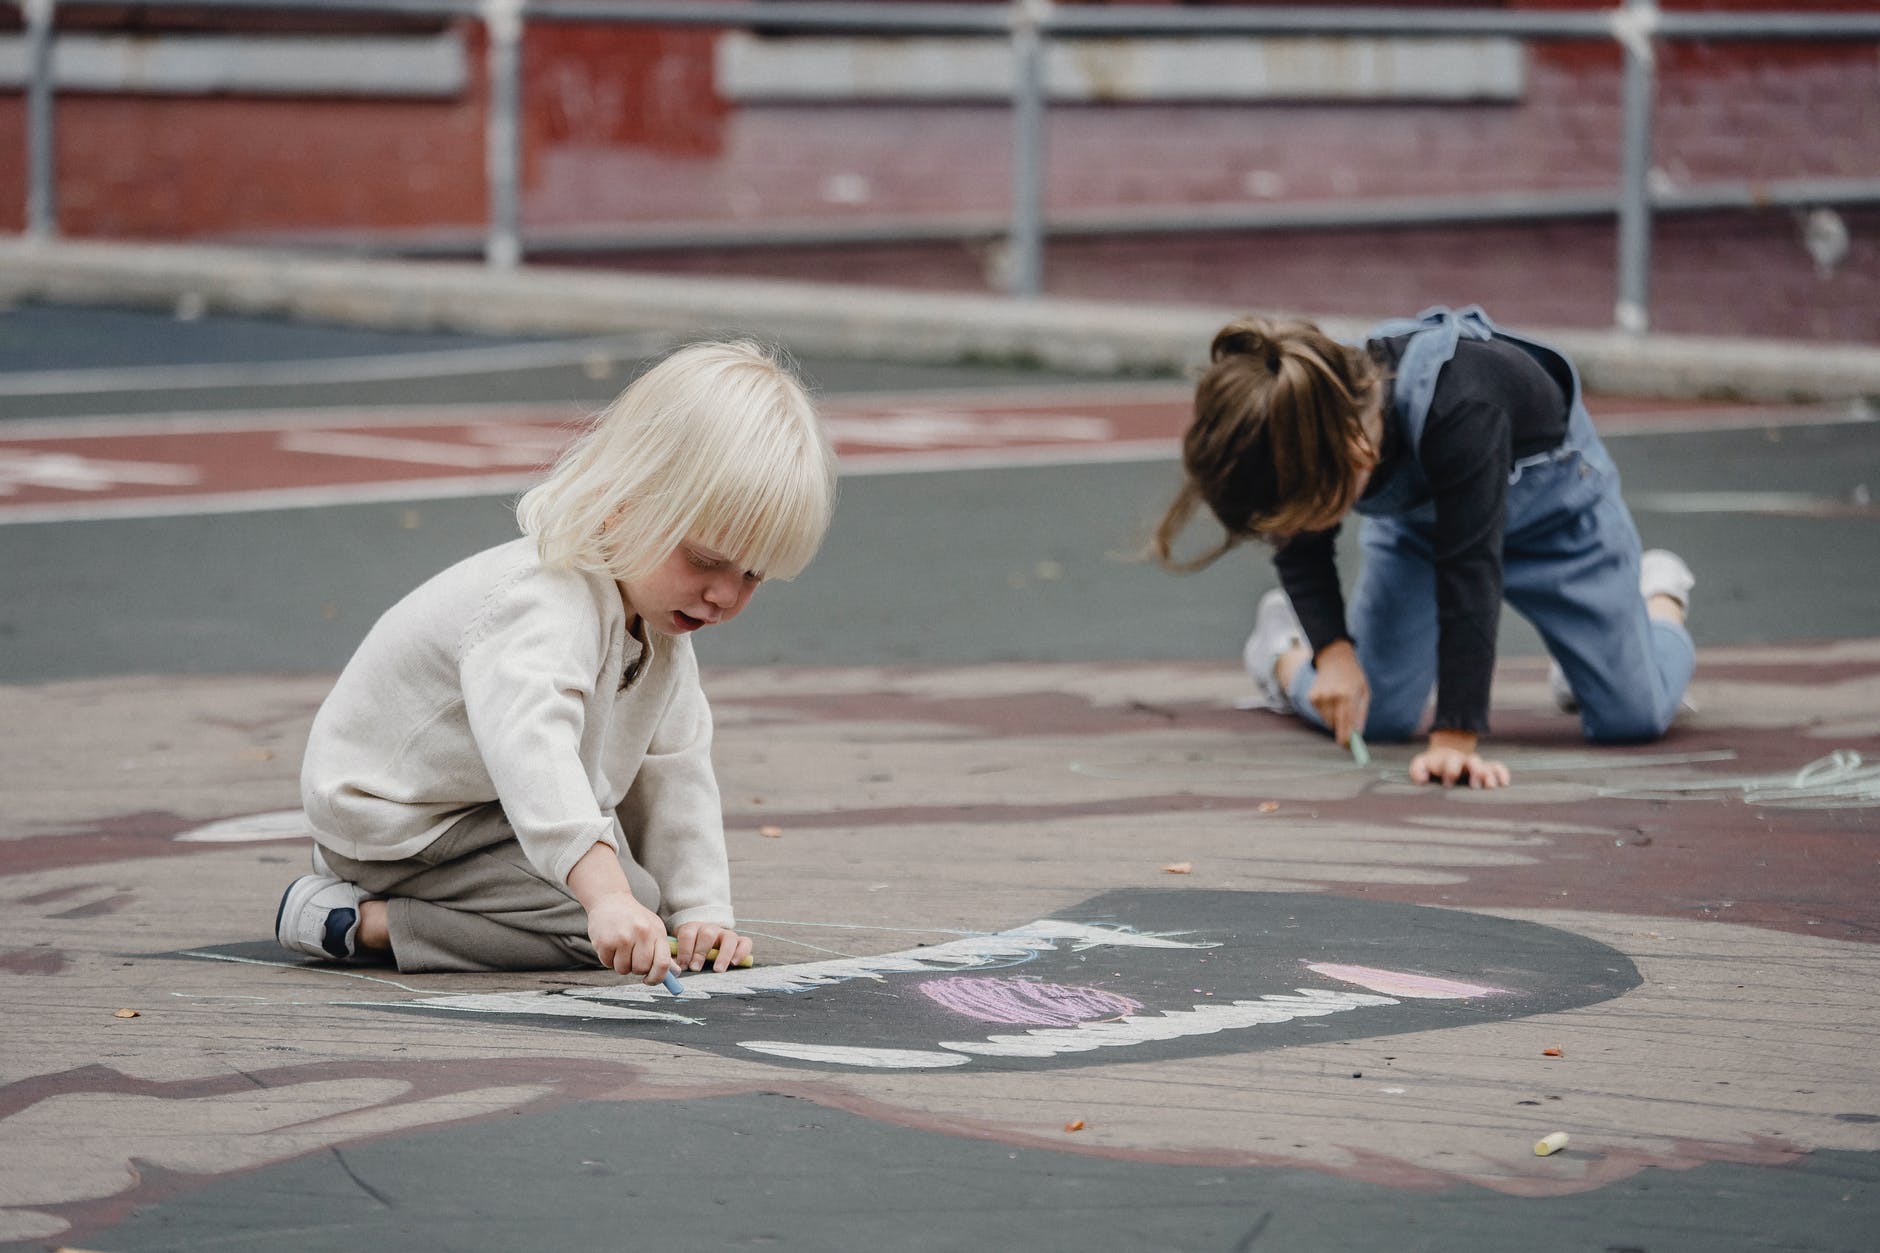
x=814 y=318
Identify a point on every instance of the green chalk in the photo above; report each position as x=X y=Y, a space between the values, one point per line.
x=1359 y=753
x=672 y=945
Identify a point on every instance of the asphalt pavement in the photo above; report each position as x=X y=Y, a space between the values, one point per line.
x=1058 y=947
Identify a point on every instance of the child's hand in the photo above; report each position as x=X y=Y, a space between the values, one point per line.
x=1451 y=758
x=1339 y=691
x=696 y=939
x=628 y=937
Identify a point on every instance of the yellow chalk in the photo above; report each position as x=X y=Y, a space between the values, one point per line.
x=1550 y=1144
x=672 y=943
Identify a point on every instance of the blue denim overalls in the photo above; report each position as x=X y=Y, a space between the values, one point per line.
x=1570 y=563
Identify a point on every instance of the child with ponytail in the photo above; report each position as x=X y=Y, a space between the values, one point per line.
x=1469 y=455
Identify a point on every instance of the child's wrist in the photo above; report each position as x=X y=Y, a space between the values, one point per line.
x=1458 y=741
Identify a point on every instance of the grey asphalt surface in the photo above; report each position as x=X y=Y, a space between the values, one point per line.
x=919 y=568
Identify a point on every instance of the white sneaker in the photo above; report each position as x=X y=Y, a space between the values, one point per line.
x=1275 y=630
x=319 y=917
x=1662 y=572
x=1560 y=689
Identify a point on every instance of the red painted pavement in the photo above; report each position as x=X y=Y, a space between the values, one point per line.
x=85 y=468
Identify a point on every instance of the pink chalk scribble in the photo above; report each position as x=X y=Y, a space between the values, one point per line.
x=1400 y=983
x=1025 y=1003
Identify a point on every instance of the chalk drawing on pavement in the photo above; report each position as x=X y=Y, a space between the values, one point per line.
x=1403 y=984
x=1131 y=975
x=1841 y=780
x=280 y=824
x=1025 y=1002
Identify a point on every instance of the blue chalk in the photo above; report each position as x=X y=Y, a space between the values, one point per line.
x=1359 y=753
x=672 y=983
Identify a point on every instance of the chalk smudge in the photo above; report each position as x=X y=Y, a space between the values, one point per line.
x=32 y=961
x=858 y=1055
x=1025 y=1002
x=1841 y=780
x=280 y=824
x=1403 y=984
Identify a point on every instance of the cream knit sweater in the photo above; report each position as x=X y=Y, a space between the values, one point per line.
x=501 y=679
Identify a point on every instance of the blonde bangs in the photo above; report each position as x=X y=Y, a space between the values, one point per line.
x=719 y=444
x=770 y=509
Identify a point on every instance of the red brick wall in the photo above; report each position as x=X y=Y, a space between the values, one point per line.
x=161 y=167
x=624 y=125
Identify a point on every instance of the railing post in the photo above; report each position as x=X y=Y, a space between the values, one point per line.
x=1025 y=244
x=502 y=23
x=42 y=206
x=1634 y=27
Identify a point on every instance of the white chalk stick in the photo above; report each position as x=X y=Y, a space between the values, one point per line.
x=1550 y=1144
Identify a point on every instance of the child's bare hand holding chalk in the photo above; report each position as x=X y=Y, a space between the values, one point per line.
x=628 y=937
x=699 y=942
x=1340 y=692
x=1451 y=759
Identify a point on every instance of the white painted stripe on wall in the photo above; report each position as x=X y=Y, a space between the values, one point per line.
x=422 y=66
x=871 y=68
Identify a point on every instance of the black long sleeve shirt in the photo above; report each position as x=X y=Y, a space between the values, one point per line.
x=1493 y=405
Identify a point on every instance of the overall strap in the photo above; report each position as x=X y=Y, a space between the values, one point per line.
x=1433 y=334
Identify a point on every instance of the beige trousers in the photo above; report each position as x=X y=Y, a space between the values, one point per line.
x=472 y=901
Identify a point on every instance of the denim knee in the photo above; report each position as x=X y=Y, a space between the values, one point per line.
x=1635 y=723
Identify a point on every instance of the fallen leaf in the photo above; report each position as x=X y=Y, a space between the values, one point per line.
x=1553 y=1052
x=1178 y=867
x=770 y=833
x=127 y=1013
x=1074 y=1126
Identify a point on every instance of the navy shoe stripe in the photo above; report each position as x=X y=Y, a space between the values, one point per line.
x=339 y=922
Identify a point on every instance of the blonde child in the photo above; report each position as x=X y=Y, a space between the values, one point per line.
x=1470 y=456
x=514 y=770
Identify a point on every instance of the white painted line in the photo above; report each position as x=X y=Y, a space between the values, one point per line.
x=1745 y=502
x=865 y=464
x=1749 y=418
x=430 y=452
x=72 y=473
x=272 y=499
x=214 y=422
x=386 y=367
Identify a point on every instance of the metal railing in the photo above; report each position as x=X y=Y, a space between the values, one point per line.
x=1637 y=26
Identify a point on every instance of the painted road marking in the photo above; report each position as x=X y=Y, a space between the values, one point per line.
x=79 y=469
x=196 y=463
x=69 y=472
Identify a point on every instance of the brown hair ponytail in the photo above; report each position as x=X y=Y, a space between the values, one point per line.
x=1278 y=439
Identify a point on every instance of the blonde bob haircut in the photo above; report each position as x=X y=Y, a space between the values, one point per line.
x=719 y=444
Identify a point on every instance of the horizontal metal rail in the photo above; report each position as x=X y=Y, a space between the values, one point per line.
x=1069 y=21
x=1029 y=25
